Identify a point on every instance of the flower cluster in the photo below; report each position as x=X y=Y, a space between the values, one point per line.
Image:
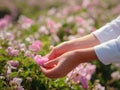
x=81 y=74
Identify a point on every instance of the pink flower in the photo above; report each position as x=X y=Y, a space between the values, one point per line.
x=25 y=22
x=79 y=20
x=40 y=60
x=36 y=46
x=4 y=22
x=81 y=31
x=81 y=74
x=115 y=75
x=98 y=86
x=43 y=30
x=18 y=81
x=12 y=52
x=84 y=82
x=52 y=26
x=20 y=87
x=13 y=63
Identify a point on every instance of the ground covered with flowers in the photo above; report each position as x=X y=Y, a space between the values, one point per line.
x=27 y=31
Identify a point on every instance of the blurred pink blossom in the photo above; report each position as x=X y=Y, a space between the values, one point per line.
x=40 y=60
x=116 y=9
x=9 y=70
x=82 y=72
x=18 y=81
x=12 y=52
x=28 y=54
x=70 y=19
x=10 y=36
x=79 y=20
x=13 y=64
x=4 y=22
x=115 y=75
x=25 y=22
x=43 y=30
x=65 y=11
x=84 y=82
x=36 y=46
x=81 y=31
x=76 y=7
x=98 y=86
x=86 y=3
x=51 y=26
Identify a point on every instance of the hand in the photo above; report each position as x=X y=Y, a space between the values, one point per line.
x=57 y=51
x=61 y=65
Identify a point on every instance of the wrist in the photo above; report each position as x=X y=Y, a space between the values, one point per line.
x=85 y=55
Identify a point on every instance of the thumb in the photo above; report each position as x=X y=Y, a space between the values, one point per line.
x=50 y=64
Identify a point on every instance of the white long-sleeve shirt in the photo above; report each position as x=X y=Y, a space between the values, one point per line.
x=109 y=36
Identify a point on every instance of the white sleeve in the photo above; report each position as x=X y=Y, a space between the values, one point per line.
x=109 y=52
x=108 y=31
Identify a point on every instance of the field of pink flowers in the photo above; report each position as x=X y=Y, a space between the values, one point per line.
x=28 y=29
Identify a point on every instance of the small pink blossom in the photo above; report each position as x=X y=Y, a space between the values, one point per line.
x=12 y=52
x=79 y=20
x=28 y=54
x=43 y=30
x=98 y=86
x=81 y=74
x=84 y=82
x=36 y=46
x=18 y=81
x=13 y=63
x=25 y=22
x=40 y=60
x=115 y=75
x=4 y=22
x=81 y=31
x=52 y=26
x=9 y=70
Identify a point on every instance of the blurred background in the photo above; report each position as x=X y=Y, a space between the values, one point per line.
x=33 y=7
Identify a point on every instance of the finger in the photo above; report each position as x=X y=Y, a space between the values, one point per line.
x=50 y=64
x=52 y=54
x=49 y=72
